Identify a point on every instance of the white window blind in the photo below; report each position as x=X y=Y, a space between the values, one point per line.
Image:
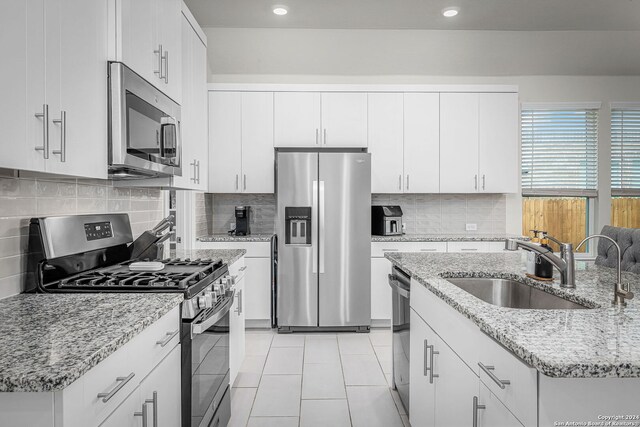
x=625 y=152
x=559 y=151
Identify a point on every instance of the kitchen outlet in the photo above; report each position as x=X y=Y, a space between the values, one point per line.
x=472 y=227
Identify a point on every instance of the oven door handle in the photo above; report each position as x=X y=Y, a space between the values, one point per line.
x=399 y=287
x=198 y=328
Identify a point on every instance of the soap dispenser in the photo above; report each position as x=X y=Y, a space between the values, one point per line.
x=531 y=256
x=544 y=268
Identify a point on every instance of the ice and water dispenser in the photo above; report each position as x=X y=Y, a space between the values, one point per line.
x=297 y=225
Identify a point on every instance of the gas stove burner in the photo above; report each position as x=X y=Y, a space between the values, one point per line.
x=179 y=275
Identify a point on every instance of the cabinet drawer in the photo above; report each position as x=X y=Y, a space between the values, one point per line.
x=159 y=339
x=520 y=395
x=494 y=414
x=254 y=249
x=468 y=246
x=379 y=248
x=238 y=269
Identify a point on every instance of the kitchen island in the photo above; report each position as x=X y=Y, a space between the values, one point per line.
x=538 y=366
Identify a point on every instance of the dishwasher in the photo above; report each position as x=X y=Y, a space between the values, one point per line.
x=399 y=281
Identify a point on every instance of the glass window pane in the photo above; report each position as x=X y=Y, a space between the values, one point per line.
x=625 y=212
x=565 y=218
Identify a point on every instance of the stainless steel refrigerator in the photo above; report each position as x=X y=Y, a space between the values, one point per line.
x=324 y=241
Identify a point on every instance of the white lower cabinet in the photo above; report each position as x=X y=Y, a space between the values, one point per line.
x=440 y=380
x=111 y=392
x=380 y=290
x=490 y=412
x=237 y=321
x=125 y=414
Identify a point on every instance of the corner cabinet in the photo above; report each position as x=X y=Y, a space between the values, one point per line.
x=145 y=35
x=479 y=142
x=313 y=119
x=241 y=142
x=55 y=115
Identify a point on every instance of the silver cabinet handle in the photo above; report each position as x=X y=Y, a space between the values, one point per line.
x=476 y=181
x=194 y=179
x=244 y=182
x=165 y=58
x=243 y=268
x=426 y=358
x=428 y=250
x=431 y=374
x=45 y=130
x=489 y=371
x=236 y=182
x=168 y=338
x=483 y=181
x=239 y=309
x=325 y=137
x=475 y=410
x=400 y=182
x=390 y=250
x=317 y=134
x=154 y=402
x=159 y=70
x=121 y=383
x=62 y=121
x=198 y=166
x=469 y=249
x=143 y=414
x=407 y=182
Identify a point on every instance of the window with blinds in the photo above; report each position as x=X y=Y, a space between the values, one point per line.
x=625 y=152
x=559 y=152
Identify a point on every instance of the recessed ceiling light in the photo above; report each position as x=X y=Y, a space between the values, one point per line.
x=450 y=12
x=280 y=10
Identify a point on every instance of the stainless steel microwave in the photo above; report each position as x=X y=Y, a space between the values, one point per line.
x=144 y=127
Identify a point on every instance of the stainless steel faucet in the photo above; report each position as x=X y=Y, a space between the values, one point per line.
x=620 y=291
x=565 y=263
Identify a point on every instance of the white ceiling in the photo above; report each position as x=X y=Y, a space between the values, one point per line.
x=524 y=15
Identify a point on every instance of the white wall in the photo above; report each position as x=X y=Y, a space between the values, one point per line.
x=547 y=66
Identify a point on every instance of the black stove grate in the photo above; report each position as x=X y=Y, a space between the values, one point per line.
x=178 y=275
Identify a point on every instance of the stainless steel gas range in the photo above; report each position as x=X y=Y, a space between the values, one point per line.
x=92 y=253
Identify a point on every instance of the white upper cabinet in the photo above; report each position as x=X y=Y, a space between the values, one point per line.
x=258 y=155
x=22 y=43
x=421 y=143
x=459 y=142
x=498 y=143
x=146 y=37
x=344 y=119
x=312 y=119
x=241 y=142
x=479 y=142
x=56 y=112
x=386 y=142
x=297 y=119
x=225 y=139
x=195 y=144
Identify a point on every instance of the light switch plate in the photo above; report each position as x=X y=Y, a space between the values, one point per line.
x=472 y=227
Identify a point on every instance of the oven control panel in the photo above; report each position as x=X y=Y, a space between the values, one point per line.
x=98 y=230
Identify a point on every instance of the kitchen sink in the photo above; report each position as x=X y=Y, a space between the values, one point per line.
x=512 y=294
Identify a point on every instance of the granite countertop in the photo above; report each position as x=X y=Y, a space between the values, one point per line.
x=227 y=256
x=231 y=238
x=495 y=237
x=595 y=343
x=50 y=340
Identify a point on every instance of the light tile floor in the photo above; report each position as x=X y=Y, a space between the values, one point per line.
x=316 y=380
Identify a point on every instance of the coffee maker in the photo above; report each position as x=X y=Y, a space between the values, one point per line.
x=242 y=220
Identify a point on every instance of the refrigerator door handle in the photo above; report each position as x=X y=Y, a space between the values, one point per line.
x=321 y=232
x=314 y=227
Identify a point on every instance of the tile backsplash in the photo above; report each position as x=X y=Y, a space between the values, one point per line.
x=448 y=213
x=219 y=212
x=27 y=197
x=423 y=213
